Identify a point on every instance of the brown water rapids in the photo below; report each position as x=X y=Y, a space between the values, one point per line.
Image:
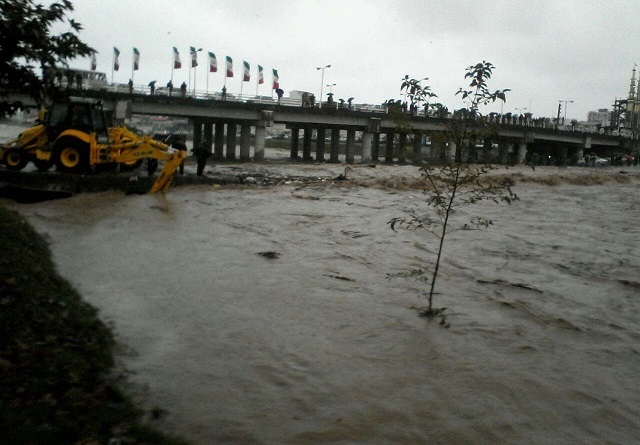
x=314 y=345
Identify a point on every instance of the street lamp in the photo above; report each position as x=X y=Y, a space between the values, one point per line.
x=322 y=82
x=520 y=110
x=330 y=86
x=565 y=109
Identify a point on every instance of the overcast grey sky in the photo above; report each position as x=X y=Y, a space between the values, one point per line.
x=544 y=50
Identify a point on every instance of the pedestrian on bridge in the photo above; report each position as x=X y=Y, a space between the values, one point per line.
x=152 y=87
x=170 y=87
x=183 y=89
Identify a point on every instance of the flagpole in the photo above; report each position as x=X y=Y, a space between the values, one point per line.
x=172 y=63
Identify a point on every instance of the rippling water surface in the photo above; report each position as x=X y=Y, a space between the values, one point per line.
x=317 y=346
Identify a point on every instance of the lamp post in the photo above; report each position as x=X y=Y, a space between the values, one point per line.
x=565 y=109
x=194 y=73
x=321 y=82
x=330 y=86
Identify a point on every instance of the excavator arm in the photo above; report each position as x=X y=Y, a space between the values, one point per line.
x=147 y=148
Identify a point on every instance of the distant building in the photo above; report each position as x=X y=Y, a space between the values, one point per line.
x=602 y=117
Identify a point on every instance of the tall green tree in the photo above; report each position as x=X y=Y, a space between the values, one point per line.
x=28 y=46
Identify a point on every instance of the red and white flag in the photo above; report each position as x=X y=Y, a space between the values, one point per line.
x=177 y=64
x=260 y=75
x=194 y=57
x=246 y=76
x=276 y=79
x=213 y=63
x=229 y=67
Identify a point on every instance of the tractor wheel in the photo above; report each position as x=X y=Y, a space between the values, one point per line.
x=130 y=166
x=71 y=156
x=15 y=159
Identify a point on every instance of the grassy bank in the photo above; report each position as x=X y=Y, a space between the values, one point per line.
x=57 y=384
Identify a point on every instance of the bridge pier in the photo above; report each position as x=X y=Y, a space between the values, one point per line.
x=218 y=148
x=231 y=141
x=522 y=152
x=245 y=143
x=320 y=144
x=366 y=147
x=452 y=149
x=351 y=144
x=402 y=148
x=295 y=136
x=388 y=149
x=335 y=145
x=416 y=157
x=375 y=147
x=306 y=144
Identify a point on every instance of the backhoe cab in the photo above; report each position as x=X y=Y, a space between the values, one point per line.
x=75 y=138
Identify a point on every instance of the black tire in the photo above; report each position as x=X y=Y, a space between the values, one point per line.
x=42 y=165
x=71 y=156
x=15 y=159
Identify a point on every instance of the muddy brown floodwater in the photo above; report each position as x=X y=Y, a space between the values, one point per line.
x=312 y=344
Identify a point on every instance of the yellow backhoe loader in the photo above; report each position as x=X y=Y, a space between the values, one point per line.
x=75 y=138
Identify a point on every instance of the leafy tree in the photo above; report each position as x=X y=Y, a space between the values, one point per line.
x=29 y=46
x=455 y=184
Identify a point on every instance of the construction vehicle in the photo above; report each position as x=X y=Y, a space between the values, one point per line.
x=73 y=136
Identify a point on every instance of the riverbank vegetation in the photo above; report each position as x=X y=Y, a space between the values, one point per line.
x=57 y=379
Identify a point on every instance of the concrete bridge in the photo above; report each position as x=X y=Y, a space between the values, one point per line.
x=383 y=135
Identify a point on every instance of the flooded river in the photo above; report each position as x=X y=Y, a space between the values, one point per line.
x=265 y=316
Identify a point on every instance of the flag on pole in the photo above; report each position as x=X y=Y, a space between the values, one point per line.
x=213 y=63
x=136 y=59
x=176 y=59
x=246 y=77
x=194 y=57
x=276 y=79
x=94 y=62
x=229 y=67
x=116 y=62
x=260 y=75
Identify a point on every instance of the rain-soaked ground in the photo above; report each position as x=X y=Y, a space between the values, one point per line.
x=264 y=315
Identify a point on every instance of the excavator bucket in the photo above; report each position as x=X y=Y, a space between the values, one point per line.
x=168 y=172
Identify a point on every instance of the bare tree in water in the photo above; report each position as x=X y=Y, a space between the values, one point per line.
x=456 y=184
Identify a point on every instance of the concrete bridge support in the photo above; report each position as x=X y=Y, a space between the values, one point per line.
x=416 y=153
x=367 y=137
x=375 y=147
x=402 y=148
x=351 y=145
x=231 y=141
x=388 y=149
x=452 y=148
x=259 y=143
x=320 y=144
x=245 y=143
x=306 y=144
x=295 y=136
x=218 y=149
x=335 y=145
x=487 y=146
x=522 y=152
